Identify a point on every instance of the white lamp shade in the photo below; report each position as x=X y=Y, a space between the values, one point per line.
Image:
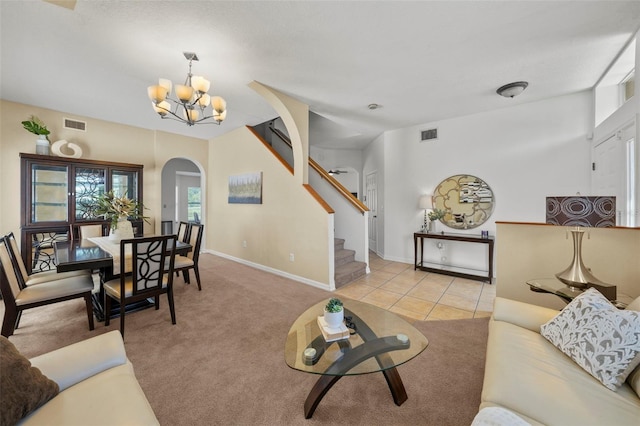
x=157 y=93
x=191 y=114
x=219 y=117
x=184 y=93
x=162 y=108
x=424 y=202
x=218 y=104
x=200 y=84
x=204 y=100
x=166 y=84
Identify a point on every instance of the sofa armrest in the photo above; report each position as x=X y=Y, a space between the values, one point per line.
x=74 y=363
x=521 y=314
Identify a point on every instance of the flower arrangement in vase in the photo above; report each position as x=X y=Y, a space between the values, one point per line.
x=118 y=210
x=434 y=216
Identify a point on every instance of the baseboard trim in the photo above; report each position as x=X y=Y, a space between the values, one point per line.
x=274 y=271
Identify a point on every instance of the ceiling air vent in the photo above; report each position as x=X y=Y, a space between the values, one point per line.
x=75 y=125
x=427 y=135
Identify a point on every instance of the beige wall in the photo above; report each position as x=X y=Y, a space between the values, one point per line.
x=529 y=251
x=103 y=140
x=289 y=220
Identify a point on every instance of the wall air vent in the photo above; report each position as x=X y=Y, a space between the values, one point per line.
x=427 y=135
x=75 y=125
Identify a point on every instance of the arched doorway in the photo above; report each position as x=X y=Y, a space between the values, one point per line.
x=183 y=194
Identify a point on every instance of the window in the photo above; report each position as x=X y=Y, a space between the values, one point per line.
x=194 y=204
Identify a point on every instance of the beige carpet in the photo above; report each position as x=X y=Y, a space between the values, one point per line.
x=223 y=363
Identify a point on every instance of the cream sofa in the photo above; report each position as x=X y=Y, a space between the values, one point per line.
x=528 y=376
x=97 y=386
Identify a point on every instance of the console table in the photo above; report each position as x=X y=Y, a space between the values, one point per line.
x=456 y=272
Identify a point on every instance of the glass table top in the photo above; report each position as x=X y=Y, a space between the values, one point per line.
x=382 y=341
x=557 y=287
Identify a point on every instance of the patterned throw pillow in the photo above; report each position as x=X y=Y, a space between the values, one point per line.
x=600 y=338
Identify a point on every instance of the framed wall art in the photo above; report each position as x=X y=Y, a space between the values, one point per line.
x=245 y=188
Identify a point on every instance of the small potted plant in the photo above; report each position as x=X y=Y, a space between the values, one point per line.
x=37 y=127
x=434 y=216
x=334 y=313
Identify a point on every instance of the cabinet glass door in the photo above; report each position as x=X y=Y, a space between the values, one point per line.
x=49 y=193
x=125 y=183
x=90 y=183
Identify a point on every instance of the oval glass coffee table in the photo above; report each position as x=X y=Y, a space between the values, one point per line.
x=380 y=341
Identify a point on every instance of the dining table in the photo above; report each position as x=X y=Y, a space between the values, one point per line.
x=100 y=254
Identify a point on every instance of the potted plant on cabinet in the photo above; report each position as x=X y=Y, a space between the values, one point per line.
x=37 y=127
x=334 y=313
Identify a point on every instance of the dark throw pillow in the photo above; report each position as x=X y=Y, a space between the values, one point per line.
x=23 y=387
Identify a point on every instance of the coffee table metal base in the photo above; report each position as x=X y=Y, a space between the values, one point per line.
x=325 y=383
x=373 y=347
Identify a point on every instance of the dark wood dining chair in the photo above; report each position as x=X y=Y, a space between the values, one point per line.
x=190 y=261
x=24 y=278
x=88 y=230
x=18 y=299
x=151 y=263
x=183 y=232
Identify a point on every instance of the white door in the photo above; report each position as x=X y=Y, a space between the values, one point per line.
x=614 y=163
x=371 y=201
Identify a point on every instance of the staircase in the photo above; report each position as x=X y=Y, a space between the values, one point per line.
x=347 y=268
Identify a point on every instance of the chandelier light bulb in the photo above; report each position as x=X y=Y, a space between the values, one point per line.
x=191 y=115
x=204 y=100
x=219 y=105
x=157 y=93
x=200 y=84
x=162 y=108
x=166 y=83
x=219 y=117
x=184 y=93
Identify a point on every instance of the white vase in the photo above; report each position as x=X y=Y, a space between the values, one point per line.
x=334 y=319
x=42 y=145
x=123 y=230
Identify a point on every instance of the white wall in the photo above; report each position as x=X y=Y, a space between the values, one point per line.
x=341 y=159
x=525 y=153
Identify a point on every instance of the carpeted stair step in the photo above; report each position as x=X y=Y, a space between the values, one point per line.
x=338 y=244
x=344 y=256
x=348 y=272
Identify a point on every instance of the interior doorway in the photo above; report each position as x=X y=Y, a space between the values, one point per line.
x=183 y=194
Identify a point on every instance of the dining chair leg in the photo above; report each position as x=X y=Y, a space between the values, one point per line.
x=87 y=300
x=9 y=322
x=122 y=306
x=171 y=306
x=18 y=320
x=185 y=276
x=197 y=272
x=157 y=301
x=107 y=310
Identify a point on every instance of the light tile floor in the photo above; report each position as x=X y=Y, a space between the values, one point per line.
x=420 y=295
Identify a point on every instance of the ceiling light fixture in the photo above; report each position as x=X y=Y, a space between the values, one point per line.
x=192 y=101
x=512 y=89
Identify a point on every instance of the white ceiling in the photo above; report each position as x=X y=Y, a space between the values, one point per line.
x=421 y=61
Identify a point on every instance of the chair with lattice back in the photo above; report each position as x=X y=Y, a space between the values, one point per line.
x=151 y=262
x=18 y=297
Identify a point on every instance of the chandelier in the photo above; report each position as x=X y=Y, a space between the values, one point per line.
x=193 y=101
